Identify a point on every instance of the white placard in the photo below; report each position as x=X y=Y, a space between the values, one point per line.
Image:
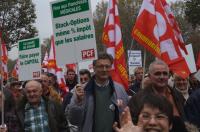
x=134 y=60
x=29 y=59
x=73 y=31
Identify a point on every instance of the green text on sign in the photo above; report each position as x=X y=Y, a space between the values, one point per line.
x=29 y=44
x=69 y=7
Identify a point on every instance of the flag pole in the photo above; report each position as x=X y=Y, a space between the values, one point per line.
x=2 y=100
x=144 y=65
x=77 y=71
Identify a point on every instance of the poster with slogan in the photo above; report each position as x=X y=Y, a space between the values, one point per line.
x=73 y=31
x=29 y=59
x=134 y=60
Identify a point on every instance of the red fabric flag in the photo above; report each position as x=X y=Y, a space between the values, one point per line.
x=4 y=59
x=157 y=30
x=71 y=66
x=45 y=62
x=56 y=70
x=52 y=58
x=198 y=61
x=112 y=38
x=15 y=71
x=61 y=81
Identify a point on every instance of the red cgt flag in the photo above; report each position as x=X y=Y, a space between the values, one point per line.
x=4 y=59
x=15 y=71
x=156 y=29
x=45 y=62
x=51 y=66
x=61 y=81
x=112 y=38
x=56 y=70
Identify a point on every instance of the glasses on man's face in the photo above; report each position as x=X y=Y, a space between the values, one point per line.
x=103 y=66
x=158 y=117
x=161 y=73
x=84 y=79
x=138 y=73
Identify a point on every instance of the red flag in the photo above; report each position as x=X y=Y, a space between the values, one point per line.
x=198 y=61
x=15 y=71
x=157 y=30
x=112 y=38
x=71 y=66
x=52 y=58
x=56 y=70
x=45 y=62
x=61 y=80
x=4 y=59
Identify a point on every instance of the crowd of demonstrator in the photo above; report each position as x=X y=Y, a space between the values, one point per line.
x=158 y=102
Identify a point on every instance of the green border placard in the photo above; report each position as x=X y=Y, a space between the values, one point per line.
x=29 y=44
x=68 y=7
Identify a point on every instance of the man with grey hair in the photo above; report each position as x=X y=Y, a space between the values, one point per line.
x=159 y=75
x=39 y=114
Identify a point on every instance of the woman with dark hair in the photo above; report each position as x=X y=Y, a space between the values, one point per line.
x=150 y=112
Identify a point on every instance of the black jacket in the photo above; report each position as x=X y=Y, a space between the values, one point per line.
x=57 y=121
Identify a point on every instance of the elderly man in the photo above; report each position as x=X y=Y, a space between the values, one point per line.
x=159 y=75
x=182 y=85
x=95 y=106
x=38 y=114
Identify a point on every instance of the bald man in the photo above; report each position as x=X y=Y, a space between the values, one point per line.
x=37 y=113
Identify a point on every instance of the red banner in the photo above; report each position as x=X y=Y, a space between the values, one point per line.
x=157 y=30
x=112 y=38
x=4 y=59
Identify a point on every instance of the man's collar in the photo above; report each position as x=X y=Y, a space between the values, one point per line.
x=29 y=106
x=102 y=85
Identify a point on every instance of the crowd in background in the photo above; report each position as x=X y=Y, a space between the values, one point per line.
x=160 y=101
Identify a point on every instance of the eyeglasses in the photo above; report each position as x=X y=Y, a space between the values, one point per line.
x=161 y=73
x=103 y=66
x=84 y=79
x=138 y=73
x=148 y=117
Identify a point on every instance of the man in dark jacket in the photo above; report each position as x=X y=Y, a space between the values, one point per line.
x=192 y=108
x=36 y=113
x=96 y=105
x=138 y=73
x=159 y=75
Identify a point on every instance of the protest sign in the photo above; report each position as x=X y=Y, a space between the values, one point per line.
x=74 y=33
x=29 y=59
x=134 y=60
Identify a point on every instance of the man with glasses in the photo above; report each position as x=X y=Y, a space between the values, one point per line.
x=96 y=105
x=85 y=76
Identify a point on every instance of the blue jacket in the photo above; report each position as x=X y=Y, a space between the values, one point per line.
x=83 y=113
x=192 y=108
